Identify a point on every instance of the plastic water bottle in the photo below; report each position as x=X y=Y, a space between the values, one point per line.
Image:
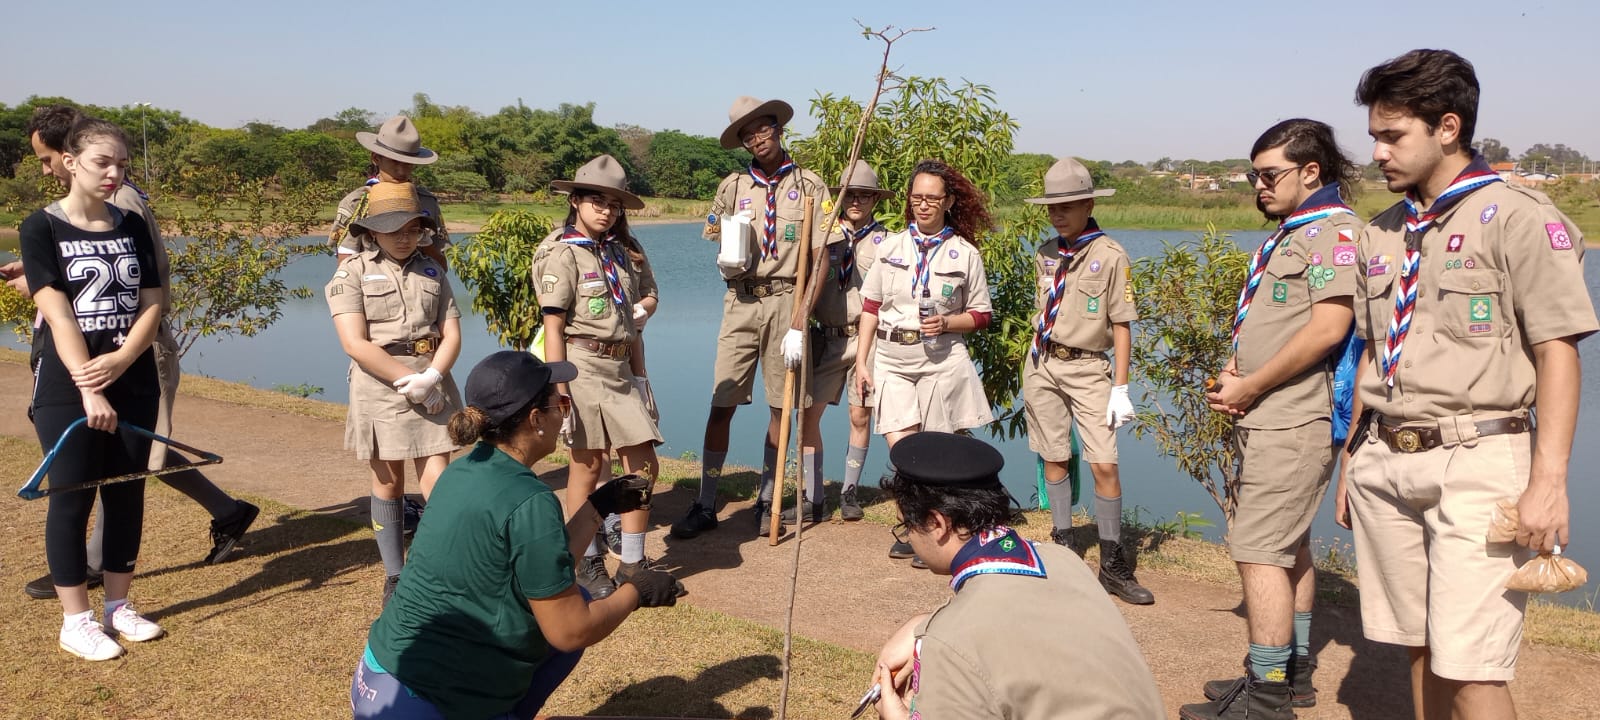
x=925 y=310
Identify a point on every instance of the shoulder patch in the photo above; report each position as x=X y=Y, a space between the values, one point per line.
x=341 y=274
x=1559 y=239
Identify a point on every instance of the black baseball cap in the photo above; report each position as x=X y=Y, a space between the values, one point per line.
x=946 y=460
x=505 y=382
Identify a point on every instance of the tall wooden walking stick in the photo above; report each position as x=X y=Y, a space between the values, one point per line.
x=802 y=262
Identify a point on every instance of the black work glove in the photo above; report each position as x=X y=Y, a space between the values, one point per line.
x=624 y=494
x=656 y=588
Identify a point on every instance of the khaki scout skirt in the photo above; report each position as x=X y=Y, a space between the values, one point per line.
x=382 y=424
x=935 y=386
x=607 y=410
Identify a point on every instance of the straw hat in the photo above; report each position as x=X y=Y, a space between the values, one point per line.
x=603 y=175
x=1069 y=181
x=862 y=179
x=398 y=140
x=390 y=205
x=747 y=108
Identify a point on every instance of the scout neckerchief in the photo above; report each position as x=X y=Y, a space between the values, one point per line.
x=847 y=260
x=926 y=247
x=1052 y=301
x=769 y=240
x=1323 y=204
x=1476 y=175
x=606 y=248
x=1000 y=551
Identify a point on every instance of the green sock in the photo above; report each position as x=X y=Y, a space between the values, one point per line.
x=1270 y=662
x=1302 y=634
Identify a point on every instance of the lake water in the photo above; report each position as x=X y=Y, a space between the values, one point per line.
x=302 y=348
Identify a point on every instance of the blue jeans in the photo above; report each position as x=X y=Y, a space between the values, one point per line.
x=377 y=695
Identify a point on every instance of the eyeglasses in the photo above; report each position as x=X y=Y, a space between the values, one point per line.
x=860 y=198
x=919 y=200
x=562 y=402
x=601 y=202
x=1268 y=177
x=759 y=136
x=901 y=532
x=415 y=234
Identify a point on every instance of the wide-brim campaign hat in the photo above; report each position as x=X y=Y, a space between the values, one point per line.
x=602 y=175
x=390 y=205
x=503 y=383
x=747 y=108
x=397 y=139
x=1069 y=181
x=862 y=179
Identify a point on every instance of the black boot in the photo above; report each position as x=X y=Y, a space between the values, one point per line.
x=1249 y=697
x=850 y=508
x=1300 y=671
x=699 y=519
x=763 y=511
x=592 y=576
x=814 y=513
x=1116 y=576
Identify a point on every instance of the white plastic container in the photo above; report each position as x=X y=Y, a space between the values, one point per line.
x=738 y=238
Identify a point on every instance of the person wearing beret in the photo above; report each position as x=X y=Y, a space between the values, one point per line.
x=1029 y=633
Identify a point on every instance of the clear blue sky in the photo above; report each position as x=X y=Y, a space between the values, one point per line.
x=1109 y=80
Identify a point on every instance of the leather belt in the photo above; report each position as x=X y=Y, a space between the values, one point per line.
x=413 y=348
x=1411 y=439
x=760 y=288
x=612 y=351
x=902 y=337
x=1062 y=352
x=848 y=331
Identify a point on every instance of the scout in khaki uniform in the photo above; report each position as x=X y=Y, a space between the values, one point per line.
x=759 y=312
x=926 y=290
x=396 y=151
x=590 y=275
x=397 y=320
x=1471 y=296
x=987 y=653
x=1085 y=304
x=1292 y=317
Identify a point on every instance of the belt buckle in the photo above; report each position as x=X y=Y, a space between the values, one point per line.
x=850 y=331
x=761 y=290
x=1407 y=440
x=1061 y=352
x=423 y=346
x=905 y=337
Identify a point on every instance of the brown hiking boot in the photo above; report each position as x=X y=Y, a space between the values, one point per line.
x=1116 y=576
x=1300 y=671
x=1248 y=697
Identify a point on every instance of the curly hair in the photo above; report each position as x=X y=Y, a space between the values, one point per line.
x=967 y=215
x=52 y=123
x=970 y=509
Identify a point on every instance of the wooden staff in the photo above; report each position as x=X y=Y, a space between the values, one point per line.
x=802 y=263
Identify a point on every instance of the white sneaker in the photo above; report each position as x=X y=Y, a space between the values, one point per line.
x=86 y=639
x=132 y=626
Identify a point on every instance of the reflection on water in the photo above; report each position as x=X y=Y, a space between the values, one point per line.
x=302 y=348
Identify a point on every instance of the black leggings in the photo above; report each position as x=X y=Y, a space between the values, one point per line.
x=93 y=455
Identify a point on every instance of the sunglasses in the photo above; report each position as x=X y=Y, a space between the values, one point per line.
x=1268 y=177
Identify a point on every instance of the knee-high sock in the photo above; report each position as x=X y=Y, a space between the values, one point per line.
x=710 y=473
x=1060 y=494
x=769 y=472
x=1302 y=634
x=388 y=525
x=812 y=468
x=855 y=458
x=1108 y=515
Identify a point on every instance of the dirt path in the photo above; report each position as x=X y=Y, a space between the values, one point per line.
x=851 y=593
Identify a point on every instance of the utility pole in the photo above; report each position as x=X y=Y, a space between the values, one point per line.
x=144 y=139
x=1191 y=176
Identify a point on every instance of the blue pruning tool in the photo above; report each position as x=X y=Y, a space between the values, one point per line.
x=31 y=490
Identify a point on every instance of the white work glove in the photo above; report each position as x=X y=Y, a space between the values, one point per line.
x=416 y=386
x=566 y=429
x=434 y=402
x=793 y=348
x=643 y=383
x=640 y=316
x=1120 y=410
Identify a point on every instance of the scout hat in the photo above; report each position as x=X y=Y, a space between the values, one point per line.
x=390 y=205
x=747 y=108
x=946 y=460
x=1069 y=181
x=602 y=175
x=503 y=383
x=862 y=179
x=398 y=140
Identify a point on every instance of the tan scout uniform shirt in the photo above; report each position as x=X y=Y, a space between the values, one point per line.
x=1098 y=293
x=1014 y=646
x=1316 y=262
x=738 y=192
x=956 y=281
x=570 y=276
x=354 y=207
x=1501 y=271
x=400 y=302
x=841 y=307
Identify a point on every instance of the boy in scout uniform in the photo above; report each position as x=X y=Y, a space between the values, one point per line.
x=1085 y=303
x=1472 y=300
x=396 y=151
x=759 y=312
x=984 y=653
x=1292 y=316
x=396 y=318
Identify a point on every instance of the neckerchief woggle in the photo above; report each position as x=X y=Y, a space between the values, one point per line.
x=769 y=237
x=1000 y=551
x=607 y=249
x=1052 y=302
x=926 y=247
x=1323 y=204
x=847 y=259
x=1475 y=175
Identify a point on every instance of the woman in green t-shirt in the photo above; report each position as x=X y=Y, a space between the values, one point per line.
x=488 y=619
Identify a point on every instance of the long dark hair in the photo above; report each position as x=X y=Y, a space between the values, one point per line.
x=620 y=227
x=970 y=509
x=1426 y=84
x=1310 y=141
x=967 y=215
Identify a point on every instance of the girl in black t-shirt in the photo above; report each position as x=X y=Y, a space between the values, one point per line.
x=92 y=271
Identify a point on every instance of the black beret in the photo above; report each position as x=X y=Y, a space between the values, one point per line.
x=946 y=459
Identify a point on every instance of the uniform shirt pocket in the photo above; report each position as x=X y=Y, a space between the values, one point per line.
x=1470 y=303
x=428 y=298
x=1283 y=270
x=1091 y=303
x=948 y=289
x=594 y=300
x=380 y=300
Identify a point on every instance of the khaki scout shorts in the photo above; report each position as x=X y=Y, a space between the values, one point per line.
x=381 y=424
x=831 y=375
x=607 y=410
x=935 y=387
x=1054 y=389
x=1285 y=475
x=752 y=329
x=167 y=374
x=1428 y=576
